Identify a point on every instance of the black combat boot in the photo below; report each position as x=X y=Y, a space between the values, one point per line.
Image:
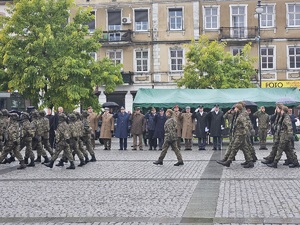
x=22 y=165
x=227 y=163
x=222 y=160
x=249 y=165
x=294 y=165
x=244 y=163
x=46 y=160
x=287 y=162
x=254 y=158
x=178 y=163
x=86 y=159
x=158 y=162
x=82 y=163
x=273 y=164
x=72 y=166
x=267 y=161
x=31 y=164
x=93 y=159
x=26 y=160
x=38 y=159
x=60 y=163
x=49 y=164
x=11 y=159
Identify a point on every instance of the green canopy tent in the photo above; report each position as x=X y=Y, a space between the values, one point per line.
x=226 y=98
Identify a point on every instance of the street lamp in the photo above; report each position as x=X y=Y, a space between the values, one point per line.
x=259 y=9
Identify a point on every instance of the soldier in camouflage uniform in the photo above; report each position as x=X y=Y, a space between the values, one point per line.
x=86 y=138
x=79 y=127
x=170 y=139
x=240 y=133
x=27 y=133
x=37 y=139
x=63 y=136
x=5 y=119
x=45 y=134
x=284 y=145
x=2 y=130
x=263 y=123
x=12 y=137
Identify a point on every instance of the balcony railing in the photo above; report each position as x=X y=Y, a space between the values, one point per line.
x=238 y=32
x=116 y=36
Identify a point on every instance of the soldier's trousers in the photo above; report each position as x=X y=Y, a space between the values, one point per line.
x=179 y=142
x=47 y=146
x=174 y=147
x=87 y=142
x=28 y=148
x=262 y=133
x=249 y=147
x=82 y=149
x=74 y=145
x=10 y=147
x=239 y=142
x=1 y=143
x=65 y=147
x=39 y=149
x=285 y=146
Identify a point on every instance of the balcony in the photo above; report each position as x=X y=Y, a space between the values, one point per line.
x=116 y=37
x=238 y=33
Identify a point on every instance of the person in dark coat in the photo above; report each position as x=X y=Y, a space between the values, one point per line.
x=159 y=131
x=52 y=125
x=217 y=124
x=121 y=131
x=150 y=127
x=201 y=126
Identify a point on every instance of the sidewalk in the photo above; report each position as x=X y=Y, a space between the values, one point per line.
x=124 y=187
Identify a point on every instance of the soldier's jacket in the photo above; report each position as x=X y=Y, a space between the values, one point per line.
x=45 y=127
x=170 y=130
x=179 y=123
x=27 y=129
x=79 y=127
x=286 y=129
x=38 y=127
x=263 y=119
x=62 y=132
x=12 y=133
x=240 y=126
x=229 y=116
x=86 y=127
x=74 y=131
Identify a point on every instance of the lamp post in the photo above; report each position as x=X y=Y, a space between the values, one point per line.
x=259 y=9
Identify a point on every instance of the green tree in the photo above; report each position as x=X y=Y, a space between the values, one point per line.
x=46 y=56
x=210 y=66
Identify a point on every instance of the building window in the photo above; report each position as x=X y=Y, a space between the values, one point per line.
x=175 y=19
x=236 y=51
x=114 y=24
x=92 y=23
x=268 y=16
x=211 y=18
x=238 y=21
x=267 y=58
x=176 y=57
x=141 y=19
x=115 y=56
x=294 y=57
x=142 y=60
x=293 y=17
x=93 y=55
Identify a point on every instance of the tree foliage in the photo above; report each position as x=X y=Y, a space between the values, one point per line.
x=46 y=56
x=210 y=66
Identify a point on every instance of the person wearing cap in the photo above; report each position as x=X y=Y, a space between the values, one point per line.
x=150 y=127
x=107 y=128
x=217 y=124
x=170 y=139
x=123 y=123
x=138 y=124
x=201 y=126
x=176 y=115
x=263 y=124
x=187 y=127
x=93 y=118
x=159 y=131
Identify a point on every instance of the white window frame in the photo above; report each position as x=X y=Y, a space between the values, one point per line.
x=135 y=59
x=95 y=15
x=266 y=14
x=176 y=58
x=274 y=57
x=239 y=48
x=114 y=59
x=287 y=15
x=148 y=22
x=288 y=57
x=182 y=19
x=113 y=36
x=245 y=31
x=204 y=16
x=95 y=55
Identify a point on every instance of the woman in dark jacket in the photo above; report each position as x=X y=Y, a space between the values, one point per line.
x=121 y=131
x=159 y=131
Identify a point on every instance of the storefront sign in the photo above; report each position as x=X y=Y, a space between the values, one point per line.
x=280 y=84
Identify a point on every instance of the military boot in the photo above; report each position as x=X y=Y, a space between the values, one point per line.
x=249 y=165
x=226 y=163
x=158 y=162
x=287 y=162
x=295 y=164
x=254 y=158
x=222 y=160
x=22 y=165
x=86 y=159
x=93 y=159
x=49 y=164
x=31 y=164
x=38 y=159
x=72 y=166
x=244 y=163
x=46 y=160
x=11 y=159
x=60 y=163
x=273 y=164
x=267 y=161
x=26 y=160
x=178 y=163
x=82 y=163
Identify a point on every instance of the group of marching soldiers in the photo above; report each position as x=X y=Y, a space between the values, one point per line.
x=31 y=131
x=240 y=133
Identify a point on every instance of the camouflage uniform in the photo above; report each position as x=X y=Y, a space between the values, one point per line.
x=63 y=136
x=263 y=122
x=45 y=134
x=79 y=127
x=27 y=133
x=86 y=136
x=170 y=140
x=2 y=130
x=5 y=119
x=12 y=137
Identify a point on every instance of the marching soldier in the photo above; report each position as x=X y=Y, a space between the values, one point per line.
x=176 y=114
x=79 y=128
x=46 y=129
x=2 y=129
x=263 y=123
x=86 y=136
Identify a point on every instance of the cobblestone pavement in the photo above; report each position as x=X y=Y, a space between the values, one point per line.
x=124 y=187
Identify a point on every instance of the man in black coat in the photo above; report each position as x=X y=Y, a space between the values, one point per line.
x=201 y=126
x=217 y=124
x=52 y=125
